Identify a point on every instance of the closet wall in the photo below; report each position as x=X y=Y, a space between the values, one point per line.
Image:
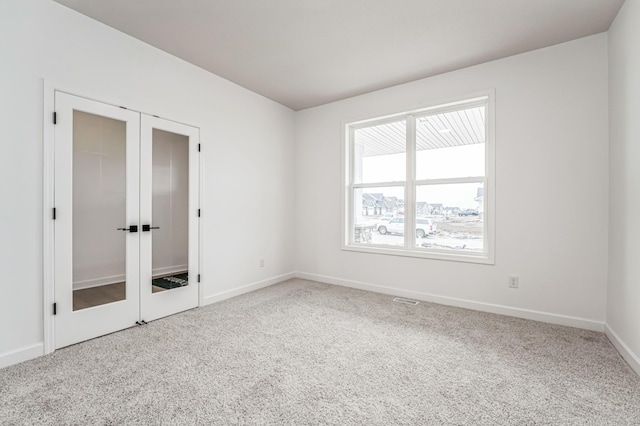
x=99 y=191
x=170 y=211
x=99 y=195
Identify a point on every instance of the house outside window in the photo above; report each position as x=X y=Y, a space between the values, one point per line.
x=421 y=183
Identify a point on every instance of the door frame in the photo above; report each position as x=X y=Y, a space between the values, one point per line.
x=48 y=197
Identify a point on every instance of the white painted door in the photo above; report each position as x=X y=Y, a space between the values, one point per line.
x=127 y=217
x=169 y=187
x=97 y=251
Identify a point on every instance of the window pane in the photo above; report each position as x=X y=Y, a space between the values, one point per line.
x=378 y=216
x=456 y=213
x=451 y=144
x=380 y=153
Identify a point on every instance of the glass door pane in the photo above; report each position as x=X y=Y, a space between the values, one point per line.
x=170 y=211
x=169 y=215
x=99 y=209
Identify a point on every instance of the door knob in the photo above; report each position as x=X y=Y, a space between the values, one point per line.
x=132 y=228
x=147 y=228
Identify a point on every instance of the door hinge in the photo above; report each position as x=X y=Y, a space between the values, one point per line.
x=198 y=277
x=54 y=213
x=198 y=212
x=55 y=309
x=55 y=118
x=198 y=147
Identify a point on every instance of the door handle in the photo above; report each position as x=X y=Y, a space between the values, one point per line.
x=147 y=228
x=132 y=228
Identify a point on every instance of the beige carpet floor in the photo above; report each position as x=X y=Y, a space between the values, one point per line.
x=303 y=353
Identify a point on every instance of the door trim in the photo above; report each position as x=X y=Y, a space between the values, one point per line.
x=48 y=191
x=48 y=235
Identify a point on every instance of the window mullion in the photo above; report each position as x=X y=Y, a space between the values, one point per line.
x=379 y=184
x=409 y=188
x=475 y=179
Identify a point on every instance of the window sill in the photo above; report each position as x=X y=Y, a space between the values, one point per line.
x=481 y=258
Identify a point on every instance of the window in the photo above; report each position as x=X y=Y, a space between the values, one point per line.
x=421 y=183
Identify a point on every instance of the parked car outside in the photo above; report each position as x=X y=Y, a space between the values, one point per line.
x=468 y=212
x=424 y=227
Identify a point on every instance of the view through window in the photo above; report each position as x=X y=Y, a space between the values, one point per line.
x=422 y=174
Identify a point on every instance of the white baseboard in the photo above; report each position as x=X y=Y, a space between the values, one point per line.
x=34 y=351
x=37 y=350
x=169 y=270
x=247 y=288
x=97 y=282
x=632 y=359
x=113 y=279
x=462 y=303
x=21 y=355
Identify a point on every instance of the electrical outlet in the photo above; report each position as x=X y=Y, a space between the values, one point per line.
x=262 y=263
x=514 y=281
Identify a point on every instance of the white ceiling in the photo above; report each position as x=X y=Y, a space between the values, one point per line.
x=304 y=53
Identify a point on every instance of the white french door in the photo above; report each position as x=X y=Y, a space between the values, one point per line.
x=169 y=172
x=126 y=218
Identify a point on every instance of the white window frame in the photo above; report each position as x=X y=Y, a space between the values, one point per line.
x=487 y=256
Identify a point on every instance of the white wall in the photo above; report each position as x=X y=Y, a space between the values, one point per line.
x=248 y=210
x=551 y=189
x=552 y=173
x=623 y=296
